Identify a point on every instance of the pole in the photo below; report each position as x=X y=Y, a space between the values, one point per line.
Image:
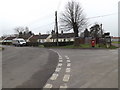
x=56 y=24
x=101 y=30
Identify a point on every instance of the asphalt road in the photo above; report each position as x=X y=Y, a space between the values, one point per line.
x=80 y=68
x=0 y=69
x=27 y=67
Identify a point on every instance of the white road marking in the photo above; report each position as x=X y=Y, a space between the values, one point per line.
x=59 y=64
x=60 y=57
x=66 y=78
x=54 y=77
x=68 y=64
x=60 y=60
x=68 y=69
x=57 y=69
x=68 y=61
x=48 y=86
x=65 y=86
x=66 y=57
x=56 y=52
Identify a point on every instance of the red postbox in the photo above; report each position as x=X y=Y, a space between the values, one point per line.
x=93 y=43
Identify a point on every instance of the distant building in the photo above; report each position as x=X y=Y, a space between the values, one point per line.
x=63 y=37
x=86 y=33
x=33 y=38
x=115 y=38
x=8 y=39
x=43 y=38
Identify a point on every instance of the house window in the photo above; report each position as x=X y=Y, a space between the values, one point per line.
x=64 y=40
x=42 y=40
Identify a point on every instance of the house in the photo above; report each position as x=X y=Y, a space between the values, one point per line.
x=63 y=37
x=43 y=38
x=33 y=38
x=115 y=38
x=8 y=39
x=25 y=37
x=0 y=39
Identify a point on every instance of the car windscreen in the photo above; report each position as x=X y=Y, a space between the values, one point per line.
x=21 y=40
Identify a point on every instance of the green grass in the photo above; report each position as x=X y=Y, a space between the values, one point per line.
x=85 y=46
x=116 y=42
x=1 y=48
x=41 y=46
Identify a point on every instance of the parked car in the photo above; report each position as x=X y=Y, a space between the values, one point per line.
x=19 y=42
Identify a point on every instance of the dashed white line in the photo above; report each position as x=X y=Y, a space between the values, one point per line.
x=57 y=69
x=56 y=52
x=64 y=86
x=66 y=57
x=68 y=69
x=68 y=61
x=48 y=86
x=59 y=64
x=60 y=60
x=66 y=78
x=54 y=77
x=68 y=64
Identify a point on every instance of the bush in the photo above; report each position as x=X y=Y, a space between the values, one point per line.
x=52 y=44
x=41 y=46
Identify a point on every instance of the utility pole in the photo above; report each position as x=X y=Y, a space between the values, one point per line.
x=101 y=30
x=56 y=25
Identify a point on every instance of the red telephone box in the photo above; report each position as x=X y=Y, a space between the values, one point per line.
x=93 y=43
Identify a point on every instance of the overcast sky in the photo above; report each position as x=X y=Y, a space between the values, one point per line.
x=38 y=15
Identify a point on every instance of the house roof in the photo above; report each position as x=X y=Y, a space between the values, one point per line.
x=9 y=38
x=25 y=37
x=43 y=36
x=115 y=37
x=34 y=37
x=64 y=35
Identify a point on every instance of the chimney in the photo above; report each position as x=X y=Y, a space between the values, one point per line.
x=62 y=32
x=53 y=32
x=39 y=34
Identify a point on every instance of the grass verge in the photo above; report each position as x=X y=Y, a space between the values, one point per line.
x=1 y=48
x=41 y=46
x=116 y=42
x=85 y=46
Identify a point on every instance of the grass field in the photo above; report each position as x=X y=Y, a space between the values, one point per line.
x=116 y=42
x=1 y=48
x=85 y=46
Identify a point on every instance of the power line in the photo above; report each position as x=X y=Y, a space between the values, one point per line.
x=39 y=19
x=44 y=25
x=102 y=16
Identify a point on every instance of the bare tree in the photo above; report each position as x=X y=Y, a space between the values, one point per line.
x=73 y=18
x=19 y=29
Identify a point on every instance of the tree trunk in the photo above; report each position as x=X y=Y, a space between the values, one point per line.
x=77 y=40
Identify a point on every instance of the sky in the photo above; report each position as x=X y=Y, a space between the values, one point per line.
x=39 y=16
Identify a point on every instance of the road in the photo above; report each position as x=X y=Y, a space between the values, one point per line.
x=116 y=44
x=0 y=69
x=27 y=67
x=79 y=68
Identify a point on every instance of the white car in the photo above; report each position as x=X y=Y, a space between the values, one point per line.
x=19 y=42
